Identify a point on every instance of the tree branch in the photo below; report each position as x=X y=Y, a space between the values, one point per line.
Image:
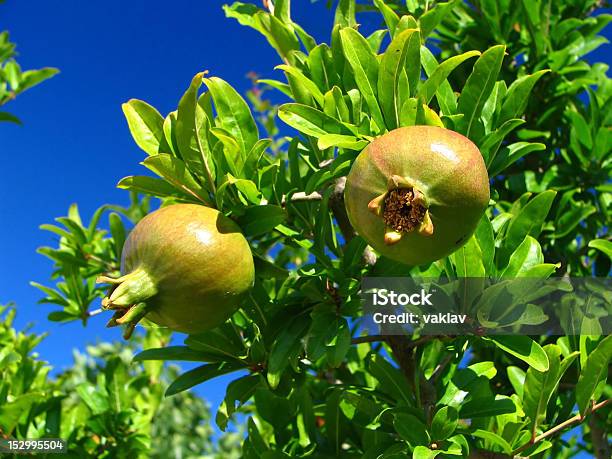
x=336 y=203
x=599 y=438
x=302 y=197
x=564 y=425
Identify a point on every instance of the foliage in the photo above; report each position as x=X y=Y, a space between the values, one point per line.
x=104 y=405
x=509 y=75
x=13 y=80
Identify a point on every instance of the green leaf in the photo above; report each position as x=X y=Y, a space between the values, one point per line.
x=517 y=379
x=345 y=13
x=217 y=342
x=411 y=429
x=523 y=348
x=5 y=116
x=530 y=219
x=339 y=346
x=494 y=439
x=239 y=390
x=539 y=387
x=184 y=353
x=422 y=452
x=31 y=78
x=478 y=87
x=481 y=407
x=365 y=69
x=389 y=76
x=390 y=16
x=95 y=398
x=469 y=260
x=444 y=423
x=280 y=35
x=146 y=125
x=11 y=412
x=309 y=85
x=444 y=94
x=441 y=73
x=341 y=141
x=311 y=121
x=390 y=379
x=174 y=171
x=286 y=347
x=430 y=20
x=594 y=372
x=517 y=96
x=602 y=244
x=199 y=375
x=258 y=220
x=233 y=113
x=148 y=185
x=118 y=232
x=527 y=255
x=511 y=154
x=191 y=129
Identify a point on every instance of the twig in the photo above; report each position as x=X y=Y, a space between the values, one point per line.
x=599 y=438
x=570 y=422
x=302 y=197
x=336 y=203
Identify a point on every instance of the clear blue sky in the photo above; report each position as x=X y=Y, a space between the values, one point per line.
x=74 y=145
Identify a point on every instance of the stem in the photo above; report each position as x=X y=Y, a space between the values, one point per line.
x=302 y=197
x=336 y=203
x=565 y=424
x=599 y=438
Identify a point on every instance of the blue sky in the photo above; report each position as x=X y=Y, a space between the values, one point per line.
x=74 y=145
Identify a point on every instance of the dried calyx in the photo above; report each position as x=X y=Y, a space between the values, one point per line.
x=403 y=208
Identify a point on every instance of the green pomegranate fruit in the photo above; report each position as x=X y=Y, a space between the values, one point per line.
x=187 y=267
x=416 y=194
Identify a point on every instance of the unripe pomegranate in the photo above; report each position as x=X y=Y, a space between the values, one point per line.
x=416 y=194
x=187 y=267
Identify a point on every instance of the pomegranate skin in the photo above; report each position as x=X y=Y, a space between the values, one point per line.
x=448 y=171
x=198 y=261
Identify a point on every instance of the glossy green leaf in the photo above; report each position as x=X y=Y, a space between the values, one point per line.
x=311 y=121
x=441 y=73
x=233 y=113
x=478 y=87
x=444 y=423
x=365 y=70
x=148 y=185
x=146 y=125
x=302 y=79
x=530 y=219
x=430 y=20
x=411 y=429
x=602 y=244
x=390 y=379
x=199 y=375
x=517 y=96
x=594 y=372
x=286 y=347
x=524 y=348
x=389 y=76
